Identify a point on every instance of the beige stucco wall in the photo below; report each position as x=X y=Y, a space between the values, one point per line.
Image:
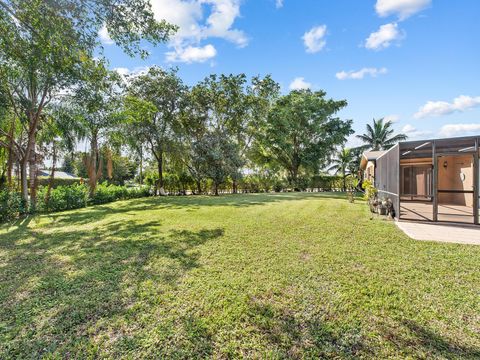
x=369 y=173
x=449 y=178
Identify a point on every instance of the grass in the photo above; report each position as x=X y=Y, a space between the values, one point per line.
x=258 y=276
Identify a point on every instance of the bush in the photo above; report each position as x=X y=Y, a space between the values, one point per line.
x=135 y=193
x=43 y=181
x=106 y=193
x=11 y=205
x=62 y=198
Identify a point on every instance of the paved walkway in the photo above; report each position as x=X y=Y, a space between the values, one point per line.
x=445 y=233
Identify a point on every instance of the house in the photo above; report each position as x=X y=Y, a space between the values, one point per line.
x=367 y=164
x=434 y=180
x=57 y=174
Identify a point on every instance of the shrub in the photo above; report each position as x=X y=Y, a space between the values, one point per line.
x=279 y=185
x=11 y=205
x=106 y=193
x=43 y=181
x=62 y=198
x=135 y=193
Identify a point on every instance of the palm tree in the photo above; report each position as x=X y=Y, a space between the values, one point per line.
x=342 y=164
x=379 y=136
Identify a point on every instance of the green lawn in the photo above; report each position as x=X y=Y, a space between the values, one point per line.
x=258 y=276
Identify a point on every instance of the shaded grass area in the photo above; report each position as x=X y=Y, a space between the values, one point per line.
x=258 y=276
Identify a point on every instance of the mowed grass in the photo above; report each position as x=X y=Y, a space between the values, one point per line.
x=244 y=276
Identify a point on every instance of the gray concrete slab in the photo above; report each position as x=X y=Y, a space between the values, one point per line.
x=457 y=234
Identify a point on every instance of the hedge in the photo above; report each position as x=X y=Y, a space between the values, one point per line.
x=66 y=198
x=11 y=205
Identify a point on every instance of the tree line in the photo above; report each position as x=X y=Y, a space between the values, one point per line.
x=56 y=91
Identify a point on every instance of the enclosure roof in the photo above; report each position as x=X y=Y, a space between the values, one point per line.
x=450 y=139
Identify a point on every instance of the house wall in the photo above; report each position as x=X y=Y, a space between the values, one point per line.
x=369 y=173
x=450 y=178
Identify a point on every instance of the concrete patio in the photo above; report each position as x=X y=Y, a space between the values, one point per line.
x=458 y=234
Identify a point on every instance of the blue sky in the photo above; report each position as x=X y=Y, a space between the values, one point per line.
x=414 y=61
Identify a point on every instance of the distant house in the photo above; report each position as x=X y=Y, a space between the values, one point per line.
x=57 y=174
x=429 y=180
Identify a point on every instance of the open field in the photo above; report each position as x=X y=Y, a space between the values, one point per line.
x=274 y=276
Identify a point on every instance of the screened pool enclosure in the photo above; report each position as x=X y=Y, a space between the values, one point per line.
x=432 y=180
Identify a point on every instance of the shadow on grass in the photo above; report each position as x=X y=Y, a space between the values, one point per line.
x=411 y=335
x=188 y=203
x=59 y=290
x=295 y=335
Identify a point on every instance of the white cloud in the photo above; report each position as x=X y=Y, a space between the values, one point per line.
x=402 y=8
x=439 y=108
x=279 y=4
x=299 y=83
x=314 y=39
x=360 y=74
x=383 y=37
x=459 y=129
x=191 y=54
x=413 y=133
x=392 y=118
x=122 y=70
x=195 y=26
x=104 y=36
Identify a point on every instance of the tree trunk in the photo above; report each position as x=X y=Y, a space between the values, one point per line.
x=10 y=155
x=93 y=164
x=32 y=160
x=52 y=174
x=234 y=186
x=160 y=173
x=199 y=187
x=216 y=189
x=294 y=174
x=141 y=166
x=24 y=179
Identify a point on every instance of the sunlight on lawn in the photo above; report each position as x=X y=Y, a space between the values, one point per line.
x=287 y=275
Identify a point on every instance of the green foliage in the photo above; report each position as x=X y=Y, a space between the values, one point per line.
x=379 y=136
x=219 y=158
x=326 y=182
x=342 y=164
x=62 y=198
x=370 y=190
x=11 y=205
x=43 y=181
x=66 y=197
x=302 y=131
x=106 y=193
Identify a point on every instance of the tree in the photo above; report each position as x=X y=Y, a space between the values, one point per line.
x=94 y=105
x=228 y=112
x=154 y=108
x=54 y=138
x=379 y=136
x=194 y=125
x=217 y=156
x=342 y=164
x=302 y=131
x=44 y=46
